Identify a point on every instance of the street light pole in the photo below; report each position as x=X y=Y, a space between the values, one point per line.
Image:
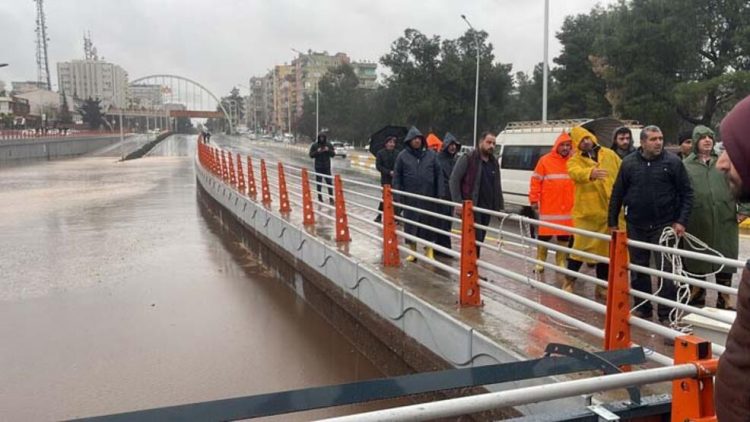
x=317 y=110
x=544 y=63
x=476 y=83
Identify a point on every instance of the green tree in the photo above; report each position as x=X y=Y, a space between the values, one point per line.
x=91 y=113
x=580 y=93
x=527 y=97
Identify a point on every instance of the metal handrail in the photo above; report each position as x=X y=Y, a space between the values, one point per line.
x=578 y=300
x=520 y=396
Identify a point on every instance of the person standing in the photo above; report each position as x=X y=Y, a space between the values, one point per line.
x=321 y=151
x=551 y=197
x=593 y=170
x=655 y=190
x=622 y=142
x=384 y=162
x=417 y=171
x=447 y=160
x=732 y=387
x=476 y=177
x=714 y=216
x=685 y=141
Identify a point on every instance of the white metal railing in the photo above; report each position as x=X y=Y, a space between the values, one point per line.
x=520 y=396
x=357 y=198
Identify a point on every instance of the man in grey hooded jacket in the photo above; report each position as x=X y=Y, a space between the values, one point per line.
x=447 y=159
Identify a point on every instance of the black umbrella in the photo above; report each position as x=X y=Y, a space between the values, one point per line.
x=377 y=139
x=603 y=128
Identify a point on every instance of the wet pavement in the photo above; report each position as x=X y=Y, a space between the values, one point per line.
x=118 y=294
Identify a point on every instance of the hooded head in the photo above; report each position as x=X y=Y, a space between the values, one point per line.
x=578 y=134
x=322 y=137
x=562 y=139
x=619 y=138
x=412 y=134
x=449 y=140
x=700 y=132
x=735 y=133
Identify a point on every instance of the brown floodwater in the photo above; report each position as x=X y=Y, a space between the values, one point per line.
x=118 y=294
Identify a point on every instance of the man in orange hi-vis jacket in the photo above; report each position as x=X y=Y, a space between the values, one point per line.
x=551 y=195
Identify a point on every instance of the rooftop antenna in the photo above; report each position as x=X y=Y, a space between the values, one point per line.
x=42 y=63
x=89 y=51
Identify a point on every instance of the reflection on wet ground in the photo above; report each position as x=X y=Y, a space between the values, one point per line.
x=117 y=294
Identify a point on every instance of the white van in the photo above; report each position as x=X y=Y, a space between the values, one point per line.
x=523 y=143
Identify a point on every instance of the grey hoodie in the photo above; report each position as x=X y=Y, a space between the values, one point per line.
x=446 y=161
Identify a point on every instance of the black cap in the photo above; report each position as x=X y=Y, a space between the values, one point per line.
x=684 y=136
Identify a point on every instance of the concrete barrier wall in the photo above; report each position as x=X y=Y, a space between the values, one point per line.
x=376 y=297
x=45 y=149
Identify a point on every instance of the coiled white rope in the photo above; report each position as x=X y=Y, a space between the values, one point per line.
x=670 y=239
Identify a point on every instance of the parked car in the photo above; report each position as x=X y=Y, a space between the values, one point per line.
x=340 y=148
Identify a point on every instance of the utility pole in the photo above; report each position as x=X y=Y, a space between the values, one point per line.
x=476 y=83
x=544 y=62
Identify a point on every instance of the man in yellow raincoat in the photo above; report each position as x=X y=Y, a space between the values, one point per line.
x=593 y=169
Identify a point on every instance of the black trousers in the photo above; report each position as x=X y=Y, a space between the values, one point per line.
x=484 y=220
x=642 y=282
x=324 y=179
x=441 y=239
x=602 y=269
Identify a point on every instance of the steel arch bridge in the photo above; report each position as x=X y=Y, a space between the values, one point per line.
x=160 y=90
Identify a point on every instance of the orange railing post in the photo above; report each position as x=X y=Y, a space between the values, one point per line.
x=251 y=178
x=616 y=322
x=342 y=222
x=308 y=213
x=240 y=175
x=283 y=194
x=469 y=278
x=232 y=175
x=390 y=240
x=264 y=183
x=224 y=170
x=217 y=162
x=693 y=398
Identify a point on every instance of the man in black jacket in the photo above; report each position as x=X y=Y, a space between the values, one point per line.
x=446 y=159
x=654 y=187
x=417 y=171
x=476 y=177
x=384 y=162
x=321 y=152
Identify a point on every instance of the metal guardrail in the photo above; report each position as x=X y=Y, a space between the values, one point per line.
x=365 y=226
x=618 y=321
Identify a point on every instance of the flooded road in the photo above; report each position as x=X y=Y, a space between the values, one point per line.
x=118 y=294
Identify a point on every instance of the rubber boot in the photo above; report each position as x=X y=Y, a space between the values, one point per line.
x=561 y=258
x=412 y=258
x=541 y=255
x=429 y=253
x=568 y=284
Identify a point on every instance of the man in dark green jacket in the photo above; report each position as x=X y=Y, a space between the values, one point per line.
x=713 y=218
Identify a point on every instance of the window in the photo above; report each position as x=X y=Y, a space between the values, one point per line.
x=522 y=157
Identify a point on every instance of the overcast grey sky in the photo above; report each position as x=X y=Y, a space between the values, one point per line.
x=221 y=43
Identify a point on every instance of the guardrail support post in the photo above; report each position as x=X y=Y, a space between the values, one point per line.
x=391 y=257
x=308 y=213
x=240 y=176
x=616 y=323
x=264 y=183
x=342 y=222
x=217 y=162
x=232 y=175
x=224 y=169
x=283 y=194
x=469 y=277
x=251 y=178
x=693 y=398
